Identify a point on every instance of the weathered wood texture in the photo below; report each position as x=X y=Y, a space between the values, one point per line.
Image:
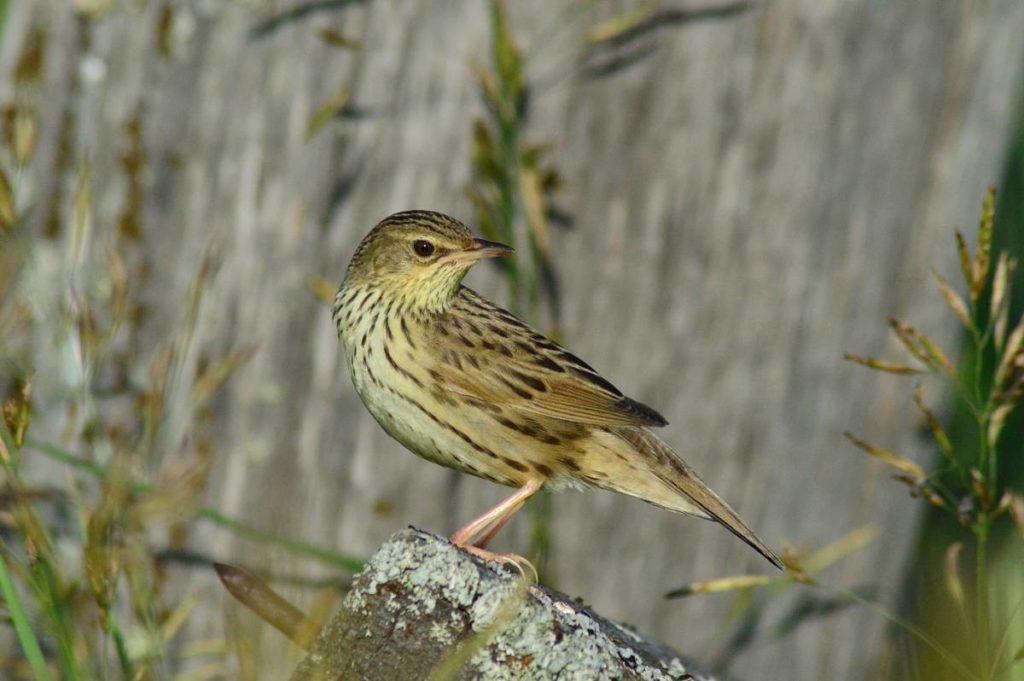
x=755 y=187
x=423 y=607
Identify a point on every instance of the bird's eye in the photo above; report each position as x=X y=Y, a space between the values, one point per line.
x=423 y=248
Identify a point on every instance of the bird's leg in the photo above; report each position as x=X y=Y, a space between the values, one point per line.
x=493 y=520
x=482 y=542
x=495 y=517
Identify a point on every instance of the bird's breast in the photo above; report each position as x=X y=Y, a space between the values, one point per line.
x=381 y=354
x=363 y=333
x=391 y=362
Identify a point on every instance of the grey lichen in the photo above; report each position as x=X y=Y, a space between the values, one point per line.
x=423 y=607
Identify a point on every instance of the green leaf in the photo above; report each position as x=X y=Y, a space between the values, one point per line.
x=7 y=212
x=1006 y=267
x=296 y=546
x=954 y=301
x=954 y=581
x=616 y=26
x=336 y=38
x=882 y=365
x=900 y=463
x=938 y=434
x=22 y=627
x=328 y=110
x=982 y=254
x=965 y=257
x=997 y=421
x=1010 y=353
x=922 y=347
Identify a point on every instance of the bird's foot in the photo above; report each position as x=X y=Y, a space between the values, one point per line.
x=524 y=566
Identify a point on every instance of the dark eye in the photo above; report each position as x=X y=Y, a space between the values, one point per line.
x=423 y=248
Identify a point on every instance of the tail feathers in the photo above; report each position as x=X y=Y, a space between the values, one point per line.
x=698 y=499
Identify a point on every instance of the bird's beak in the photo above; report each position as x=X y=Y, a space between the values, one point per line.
x=481 y=249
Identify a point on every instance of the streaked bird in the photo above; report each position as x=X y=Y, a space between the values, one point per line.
x=465 y=384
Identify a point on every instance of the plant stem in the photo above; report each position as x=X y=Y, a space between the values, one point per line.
x=27 y=638
x=522 y=271
x=297 y=546
x=119 y=644
x=981 y=593
x=507 y=110
x=907 y=625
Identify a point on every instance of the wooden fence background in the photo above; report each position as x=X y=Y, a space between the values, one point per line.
x=754 y=187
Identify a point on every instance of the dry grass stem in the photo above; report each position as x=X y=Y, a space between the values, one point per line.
x=264 y=602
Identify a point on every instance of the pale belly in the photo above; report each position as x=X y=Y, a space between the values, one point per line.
x=452 y=435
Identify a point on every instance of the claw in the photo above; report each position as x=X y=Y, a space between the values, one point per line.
x=519 y=562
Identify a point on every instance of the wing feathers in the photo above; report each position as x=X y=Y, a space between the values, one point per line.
x=677 y=475
x=514 y=366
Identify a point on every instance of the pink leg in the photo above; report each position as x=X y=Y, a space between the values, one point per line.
x=494 y=519
x=482 y=542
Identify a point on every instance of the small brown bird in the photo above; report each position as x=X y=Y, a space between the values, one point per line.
x=464 y=383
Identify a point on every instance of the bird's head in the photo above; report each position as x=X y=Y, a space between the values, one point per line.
x=418 y=258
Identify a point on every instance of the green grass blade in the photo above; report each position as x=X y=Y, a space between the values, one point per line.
x=296 y=546
x=27 y=638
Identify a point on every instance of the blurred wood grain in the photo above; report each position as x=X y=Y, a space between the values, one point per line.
x=754 y=188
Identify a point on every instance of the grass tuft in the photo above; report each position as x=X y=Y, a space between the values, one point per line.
x=512 y=192
x=967 y=486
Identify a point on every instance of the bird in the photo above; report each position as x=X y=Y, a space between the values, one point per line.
x=466 y=384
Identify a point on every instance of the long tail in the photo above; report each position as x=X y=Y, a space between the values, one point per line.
x=696 y=497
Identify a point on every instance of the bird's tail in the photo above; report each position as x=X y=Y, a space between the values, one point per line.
x=681 y=489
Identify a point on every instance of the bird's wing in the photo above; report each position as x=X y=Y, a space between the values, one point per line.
x=681 y=489
x=488 y=354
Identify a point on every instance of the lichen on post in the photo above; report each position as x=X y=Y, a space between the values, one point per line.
x=423 y=609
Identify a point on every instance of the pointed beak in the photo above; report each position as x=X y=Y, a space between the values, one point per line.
x=481 y=249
